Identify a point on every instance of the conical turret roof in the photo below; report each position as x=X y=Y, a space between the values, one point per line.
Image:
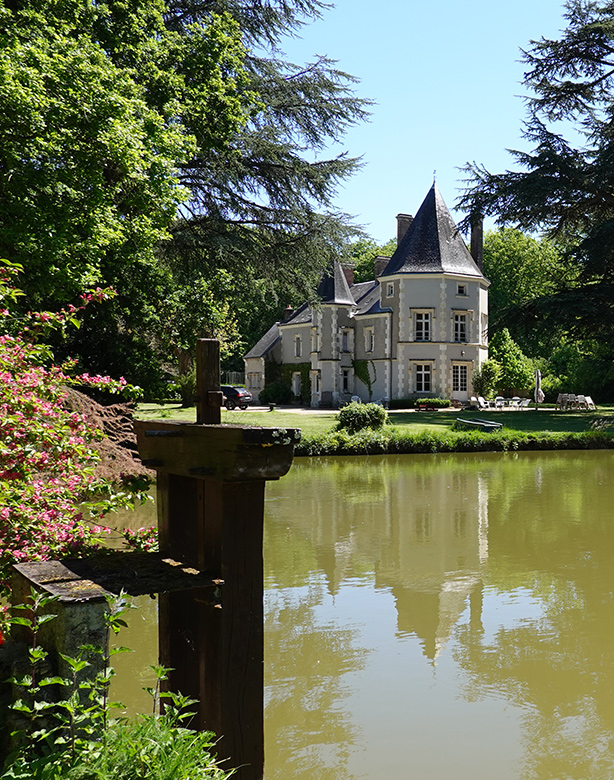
x=333 y=287
x=432 y=243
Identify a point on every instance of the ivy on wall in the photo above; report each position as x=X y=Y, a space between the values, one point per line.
x=304 y=369
x=361 y=371
x=275 y=372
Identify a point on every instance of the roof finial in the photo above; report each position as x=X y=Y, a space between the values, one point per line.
x=435 y=176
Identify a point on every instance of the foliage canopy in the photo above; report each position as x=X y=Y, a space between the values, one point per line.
x=565 y=184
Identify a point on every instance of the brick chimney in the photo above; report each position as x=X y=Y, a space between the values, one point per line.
x=348 y=272
x=380 y=262
x=477 y=240
x=288 y=312
x=403 y=223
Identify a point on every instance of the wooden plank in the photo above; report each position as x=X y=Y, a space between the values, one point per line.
x=228 y=452
x=96 y=578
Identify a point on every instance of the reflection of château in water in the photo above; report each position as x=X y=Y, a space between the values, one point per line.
x=420 y=532
x=438 y=541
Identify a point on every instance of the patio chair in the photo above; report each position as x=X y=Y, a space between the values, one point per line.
x=581 y=402
x=589 y=403
x=559 y=401
x=572 y=401
x=515 y=403
x=524 y=404
x=482 y=403
x=564 y=402
x=499 y=402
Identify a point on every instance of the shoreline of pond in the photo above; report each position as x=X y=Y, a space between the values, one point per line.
x=398 y=441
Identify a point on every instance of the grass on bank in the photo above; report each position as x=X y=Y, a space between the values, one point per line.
x=320 y=422
x=424 y=432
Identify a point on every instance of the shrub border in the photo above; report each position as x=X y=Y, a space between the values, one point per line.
x=392 y=440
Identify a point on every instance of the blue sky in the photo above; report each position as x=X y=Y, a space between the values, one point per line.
x=446 y=79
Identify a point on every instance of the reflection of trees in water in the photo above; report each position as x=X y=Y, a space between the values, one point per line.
x=547 y=522
x=308 y=733
x=557 y=540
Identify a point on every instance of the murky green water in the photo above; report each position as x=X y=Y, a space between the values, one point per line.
x=437 y=617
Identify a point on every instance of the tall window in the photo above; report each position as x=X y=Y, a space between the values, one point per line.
x=345 y=340
x=296 y=383
x=423 y=377
x=298 y=346
x=389 y=289
x=459 y=379
x=369 y=340
x=460 y=327
x=422 y=326
x=345 y=379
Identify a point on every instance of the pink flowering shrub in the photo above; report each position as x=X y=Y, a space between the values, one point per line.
x=50 y=501
x=143 y=539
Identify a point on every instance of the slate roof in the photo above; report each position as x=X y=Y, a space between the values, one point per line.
x=432 y=243
x=368 y=300
x=300 y=316
x=333 y=287
x=266 y=343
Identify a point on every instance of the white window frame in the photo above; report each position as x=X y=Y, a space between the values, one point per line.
x=314 y=340
x=345 y=340
x=346 y=380
x=461 y=323
x=370 y=339
x=458 y=380
x=389 y=289
x=423 y=375
x=298 y=345
x=424 y=333
x=461 y=289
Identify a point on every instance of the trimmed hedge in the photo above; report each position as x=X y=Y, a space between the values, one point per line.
x=392 y=440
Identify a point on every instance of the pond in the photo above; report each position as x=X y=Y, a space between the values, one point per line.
x=437 y=616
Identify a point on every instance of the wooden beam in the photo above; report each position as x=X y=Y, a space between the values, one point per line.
x=209 y=397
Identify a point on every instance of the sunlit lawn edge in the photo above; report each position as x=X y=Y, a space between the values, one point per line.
x=422 y=431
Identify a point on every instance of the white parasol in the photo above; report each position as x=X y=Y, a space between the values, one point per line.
x=539 y=395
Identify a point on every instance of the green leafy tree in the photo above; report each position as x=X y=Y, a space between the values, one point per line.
x=565 y=184
x=521 y=268
x=363 y=253
x=516 y=369
x=102 y=105
x=486 y=379
x=93 y=132
x=119 y=113
x=262 y=208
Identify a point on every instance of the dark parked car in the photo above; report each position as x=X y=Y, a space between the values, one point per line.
x=236 y=396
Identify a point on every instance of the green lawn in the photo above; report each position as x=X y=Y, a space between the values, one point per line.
x=319 y=422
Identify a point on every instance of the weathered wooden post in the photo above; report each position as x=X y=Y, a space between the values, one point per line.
x=211 y=481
